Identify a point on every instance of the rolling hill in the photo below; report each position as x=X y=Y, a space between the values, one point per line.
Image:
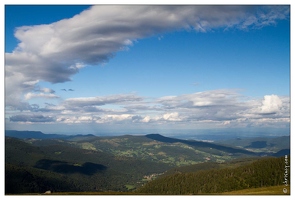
x=79 y=169
x=40 y=135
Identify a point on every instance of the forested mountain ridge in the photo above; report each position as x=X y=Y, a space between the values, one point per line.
x=261 y=173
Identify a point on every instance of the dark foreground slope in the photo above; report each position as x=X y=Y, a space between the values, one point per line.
x=261 y=173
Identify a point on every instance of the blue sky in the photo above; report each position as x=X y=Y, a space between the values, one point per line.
x=127 y=69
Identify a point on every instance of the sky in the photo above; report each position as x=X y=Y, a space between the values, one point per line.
x=142 y=68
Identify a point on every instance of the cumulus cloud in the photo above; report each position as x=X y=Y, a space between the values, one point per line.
x=271 y=104
x=172 y=116
x=54 y=52
x=15 y=87
x=46 y=93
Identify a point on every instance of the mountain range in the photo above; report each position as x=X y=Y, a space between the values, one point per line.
x=37 y=162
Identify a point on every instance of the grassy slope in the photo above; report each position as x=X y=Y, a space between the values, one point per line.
x=272 y=190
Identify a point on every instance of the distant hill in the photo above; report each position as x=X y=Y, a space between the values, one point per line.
x=161 y=138
x=40 y=135
x=281 y=142
x=282 y=152
x=31 y=134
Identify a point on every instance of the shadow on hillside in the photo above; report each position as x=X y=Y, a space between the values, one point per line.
x=87 y=168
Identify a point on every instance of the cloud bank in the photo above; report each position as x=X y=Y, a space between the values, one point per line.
x=216 y=108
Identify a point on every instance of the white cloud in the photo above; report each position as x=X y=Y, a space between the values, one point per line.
x=77 y=119
x=16 y=85
x=31 y=83
x=271 y=104
x=46 y=90
x=146 y=119
x=171 y=116
x=101 y=100
x=31 y=95
x=201 y=99
x=118 y=117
